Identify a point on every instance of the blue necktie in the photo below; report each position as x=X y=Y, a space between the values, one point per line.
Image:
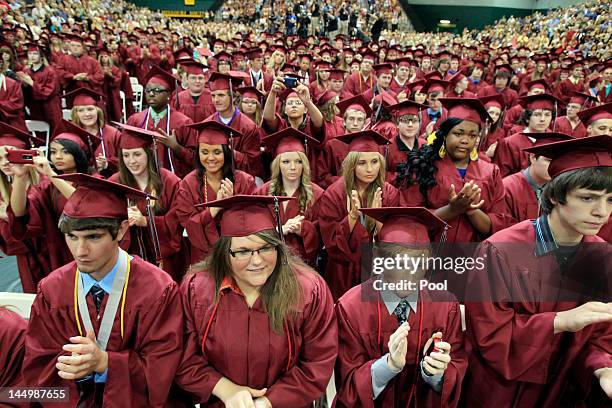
x=97 y=293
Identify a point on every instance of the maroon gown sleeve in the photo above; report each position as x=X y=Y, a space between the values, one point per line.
x=44 y=86
x=517 y=346
x=11 y=102
x=596 y=354
x=167 y=224
x=315 y=362
x=496 y=209
x=12 y=347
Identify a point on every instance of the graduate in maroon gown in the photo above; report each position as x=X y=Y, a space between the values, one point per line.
x=570 y=124
x=194 y=102
x=343 y=228
x=574 y=83
x=41 y=88
x=512 y=118
x=447 y=176
x=524 y=188
x=458 y=87
x=538 y=115
x=384 y=354
x=502 y=76
x=11 y=102
x=535 y=340
x=476 y=80
x=246 y=150
x=435 y=113
x=30 y=254
x=86 y=113
x=401 y=80
x=384 y=76
x=131 y=351
x=214 y=178
x=408 y=118
x=359 y=82
x=160 y=243
x=34 y=214
x=354 y=112
x=12 y=347
x=291 y=177
x=259 y=324
x=78 y=70
x=598 y=120
x=176 y=144
x=382 y=120
x=494 y=104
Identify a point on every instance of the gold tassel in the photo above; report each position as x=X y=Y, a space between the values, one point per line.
x=442 y=151
x=474 y=154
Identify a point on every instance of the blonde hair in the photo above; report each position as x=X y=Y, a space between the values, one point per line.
x=258 y=115
x=6 y=188
x=329 y=110
x=306 y=197
x=270 y=66
x=350 y=181
x=74 y=116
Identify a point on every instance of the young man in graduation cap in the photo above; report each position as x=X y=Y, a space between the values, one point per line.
x=571 y=124
x=108 y=326
x=359 y=82
x=76 y=70
x=598 y=120
x=384 y=76
x=501 y=81
x=226 y=112
x=176 y=142
x=194 y=102
x=538 y=335
x=395 y=366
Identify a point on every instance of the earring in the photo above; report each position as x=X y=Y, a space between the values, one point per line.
x=442 y=151
x=474 y=154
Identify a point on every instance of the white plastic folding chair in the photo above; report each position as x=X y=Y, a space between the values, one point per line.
x=134 y=81
x=20 y=303
x=41 y=126
x=123 y=110
x=138 y=95
x=67 y=114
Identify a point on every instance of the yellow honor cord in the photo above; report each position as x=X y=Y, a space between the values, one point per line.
x=76 y=302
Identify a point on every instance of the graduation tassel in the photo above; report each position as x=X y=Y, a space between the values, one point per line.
x=279 y=226
x=231 y=146
x=156 y=157
x=420 y=126
x=555 y=117
x=153 y=230
x=484 y=135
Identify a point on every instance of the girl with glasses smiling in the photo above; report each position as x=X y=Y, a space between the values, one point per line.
x=259 y=323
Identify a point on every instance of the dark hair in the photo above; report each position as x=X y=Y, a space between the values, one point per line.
x=226 y=170
x=68 y=224
x=381 y=116
x=420 y=166
x=155 y=184
x=590 y=178
x=502 y=74
x=80 y=157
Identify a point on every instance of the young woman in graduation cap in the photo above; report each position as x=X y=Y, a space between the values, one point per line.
x=70 y=152
x=543 y=337
x=291 y=177
x=32 y=262
x=343 y=227
x=494 y=104
x=87 y=114
x=160 y=243
x=384 y=354
x=215 y=177
x=260 y=328
x=447 y=177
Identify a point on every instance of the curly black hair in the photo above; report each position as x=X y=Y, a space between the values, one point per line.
x=420 y=166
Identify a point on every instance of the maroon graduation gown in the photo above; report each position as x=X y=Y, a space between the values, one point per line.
x=359 y=347
x=565 y=88
x=343 y=247
x=111 y=88
x=398 y=155
x=510 y=96
x=520 y=199
x=141 y=364
x=44 y=207
x=475 y=88
x=509 y=154
x=425 y=119
x=488 y=178
x=308 y=243
x=495 y=136
x=512 y=116
x=200 y=226
x=69 y=66
x=12 y=347
x=169 y=230
x=355 y=84
x=43 y=97
x=186 y=137
x=516 y=360
x=197 y=110
x=242 y=347
x=386 y=128
x=112 y=140
x=246 y=149
x=563 y=125
x=330 y=163
x=11 y=104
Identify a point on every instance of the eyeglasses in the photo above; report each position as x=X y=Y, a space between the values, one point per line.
x=406 y=120
x=249 y=102
x=294 y=103
x=155 y=90
x=248 y=253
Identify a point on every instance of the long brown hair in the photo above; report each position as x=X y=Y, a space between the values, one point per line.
x=306 y=196
x=281 y=294
x=74 y=117
x=350 y=182
x=155 y=185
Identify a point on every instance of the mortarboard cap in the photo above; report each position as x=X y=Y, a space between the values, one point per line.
x=12 y=136
x=357 y=103
x=83 y=97
x=85 y=140
x=591 y=115
x=470 y=109
x=541 y=101
x=289 y=140
x=161 y=77
x=406 y=225
x=364 y=141
x=214 y=133
x=406 y=107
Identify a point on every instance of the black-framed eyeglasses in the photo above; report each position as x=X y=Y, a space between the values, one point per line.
x=156 y=91
x=248 y=253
